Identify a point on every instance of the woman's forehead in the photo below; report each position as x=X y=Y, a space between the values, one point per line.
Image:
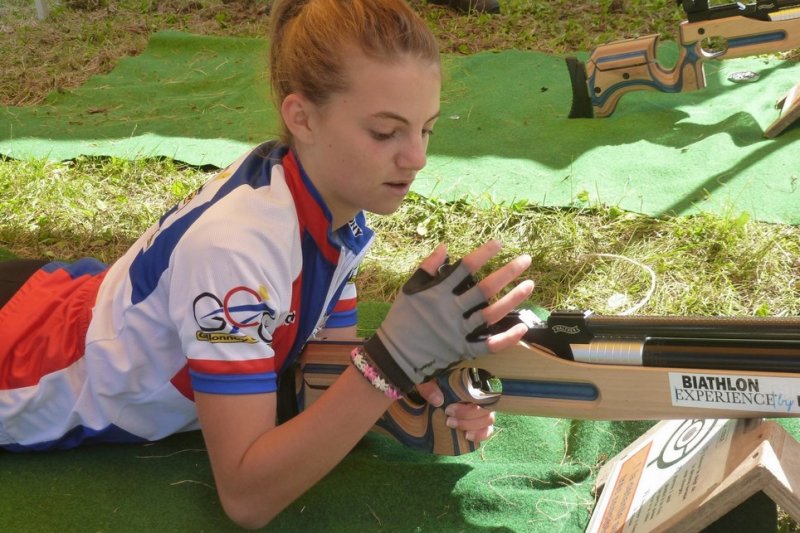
x=381 y=80
x=413 y=104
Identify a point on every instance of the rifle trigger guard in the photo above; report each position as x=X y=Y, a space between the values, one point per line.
x=473 y=385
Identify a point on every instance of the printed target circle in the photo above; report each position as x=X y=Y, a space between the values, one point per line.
x=691 y=434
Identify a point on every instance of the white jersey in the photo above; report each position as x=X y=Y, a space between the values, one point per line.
x=218 y=297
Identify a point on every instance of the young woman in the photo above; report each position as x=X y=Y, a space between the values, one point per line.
x=195 y=324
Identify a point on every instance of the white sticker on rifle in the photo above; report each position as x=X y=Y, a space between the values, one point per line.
x=743 y=393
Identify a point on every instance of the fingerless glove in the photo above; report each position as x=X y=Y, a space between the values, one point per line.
x=433 y=324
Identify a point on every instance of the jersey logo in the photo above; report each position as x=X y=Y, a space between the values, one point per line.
x=355 y=228
x=240 y=316
x=225 y=338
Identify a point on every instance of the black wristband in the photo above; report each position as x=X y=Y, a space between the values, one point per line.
x=386 y=364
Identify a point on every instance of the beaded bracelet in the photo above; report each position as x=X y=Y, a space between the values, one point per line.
x=372 y=375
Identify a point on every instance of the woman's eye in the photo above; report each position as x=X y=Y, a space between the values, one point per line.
x=380 y=136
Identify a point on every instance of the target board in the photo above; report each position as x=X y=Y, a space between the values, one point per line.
x=670 y=469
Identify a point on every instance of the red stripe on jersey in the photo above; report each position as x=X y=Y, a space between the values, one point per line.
x=310 y=213
x=215 y=366
x=183 y=382
x=47 y=303
x=345 y=305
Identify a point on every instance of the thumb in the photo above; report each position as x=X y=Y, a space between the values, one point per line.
x=431 y=392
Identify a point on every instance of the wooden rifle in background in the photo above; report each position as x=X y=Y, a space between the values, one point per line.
x=580 y=365
x=710 y=32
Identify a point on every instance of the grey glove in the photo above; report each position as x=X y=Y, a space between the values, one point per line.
x=433 y=324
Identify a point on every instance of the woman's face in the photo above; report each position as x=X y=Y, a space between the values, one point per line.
x=370 y=141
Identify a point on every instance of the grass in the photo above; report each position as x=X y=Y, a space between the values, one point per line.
x=88 y=206
x=585 y=256
x=595 y=257
x=601 y=258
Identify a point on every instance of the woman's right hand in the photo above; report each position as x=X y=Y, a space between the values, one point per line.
x=438 y=318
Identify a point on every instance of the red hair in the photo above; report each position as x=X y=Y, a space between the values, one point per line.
x=309 y=40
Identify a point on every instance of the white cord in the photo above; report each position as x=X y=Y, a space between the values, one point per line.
x=649 y=270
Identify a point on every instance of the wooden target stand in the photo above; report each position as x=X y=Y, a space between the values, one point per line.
x=684 y=475
x=789 y=107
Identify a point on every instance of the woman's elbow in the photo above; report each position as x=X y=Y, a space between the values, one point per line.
x=246 y=513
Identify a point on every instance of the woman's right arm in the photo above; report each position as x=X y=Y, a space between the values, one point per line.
x=260 y=468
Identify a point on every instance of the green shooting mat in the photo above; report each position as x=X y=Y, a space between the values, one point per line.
x=525 y=479
x=504 y=135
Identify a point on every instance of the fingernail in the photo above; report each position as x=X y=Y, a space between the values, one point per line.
x=470 y=436
x=451 y=409
x=451 y=422
x=436 y=399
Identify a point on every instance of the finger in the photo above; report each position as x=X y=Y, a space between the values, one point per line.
x=437 y=258
x=480 y=435
x=466 y=411
x=471 y=420
x=481 y=255
x=508 y=302
x=431 y=392
x=495 y=281
x=506 y=339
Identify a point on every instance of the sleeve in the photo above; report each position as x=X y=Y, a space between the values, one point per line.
x=225 y=300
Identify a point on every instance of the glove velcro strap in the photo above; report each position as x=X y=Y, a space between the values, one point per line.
x=380 y=356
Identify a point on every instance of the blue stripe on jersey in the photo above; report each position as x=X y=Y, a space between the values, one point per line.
x=148 y=266
x=342 y=319
x=78 y=436
x=317 y=278
x=317 y=270
x=355 y=236
x=81 y=267
x=234 y=384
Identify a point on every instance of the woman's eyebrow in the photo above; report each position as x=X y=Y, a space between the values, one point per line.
x=399 y=118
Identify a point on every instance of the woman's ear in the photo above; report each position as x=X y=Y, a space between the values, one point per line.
x=295 y=111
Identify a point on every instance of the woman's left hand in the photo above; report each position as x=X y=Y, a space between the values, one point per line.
x=476 y=422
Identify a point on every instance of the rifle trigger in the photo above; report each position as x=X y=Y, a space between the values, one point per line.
x=475 y=385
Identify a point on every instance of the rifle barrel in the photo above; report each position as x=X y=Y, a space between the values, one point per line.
x=758 y=328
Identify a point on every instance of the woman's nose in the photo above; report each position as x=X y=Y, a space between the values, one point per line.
x=414 y=154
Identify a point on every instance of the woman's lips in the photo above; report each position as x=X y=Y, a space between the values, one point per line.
x=400 y=188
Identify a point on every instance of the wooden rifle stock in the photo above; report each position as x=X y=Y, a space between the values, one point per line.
x=728 y=31
x=707 y=368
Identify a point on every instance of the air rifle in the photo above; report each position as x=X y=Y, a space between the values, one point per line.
x=717 y=32
x=579 y=365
